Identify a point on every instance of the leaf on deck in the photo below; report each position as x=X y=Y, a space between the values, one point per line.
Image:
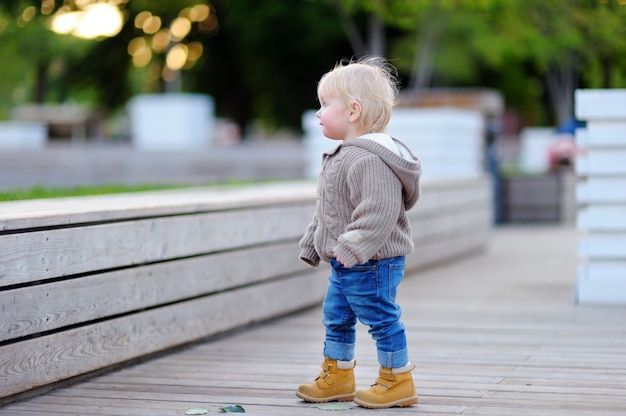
x=232 y=409
x=197 y=411
x=335 y=406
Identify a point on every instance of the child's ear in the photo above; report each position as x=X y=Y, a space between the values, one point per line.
x=355 y=111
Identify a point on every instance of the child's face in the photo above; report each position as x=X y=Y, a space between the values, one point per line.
x=334 y=118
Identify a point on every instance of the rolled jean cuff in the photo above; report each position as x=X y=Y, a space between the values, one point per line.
x=339 y=351
x=394 y=359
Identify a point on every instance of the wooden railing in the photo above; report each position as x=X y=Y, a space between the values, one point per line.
x=88 y=283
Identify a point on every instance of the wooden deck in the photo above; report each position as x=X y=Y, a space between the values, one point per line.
x=495 y=334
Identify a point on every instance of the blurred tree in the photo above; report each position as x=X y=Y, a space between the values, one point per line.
x=545 y=35
x=603 y=27
x=138 y=58
x=30 y=53
x=266 y=60
x=534 y=51
x=262 y=60
x=50 y=67
x=259 y=63
x=560 y=41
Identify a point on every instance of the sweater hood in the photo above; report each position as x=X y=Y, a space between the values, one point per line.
x=402 y=162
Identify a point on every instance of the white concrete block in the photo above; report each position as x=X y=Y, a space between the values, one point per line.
x=601 y=190
x=535 y=145
x=448 y=142
x=607 y=246
x=165 y=122
x=23 y=135
x=601 y=283
x=602 y=162
x=600 y=104
x=442 y=120
x=602 y=133
x=611 y=218
x=315 y=143
x=602 y=168
x=582 y=138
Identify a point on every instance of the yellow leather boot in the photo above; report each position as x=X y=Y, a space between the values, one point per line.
x=390 y=390
x=332 y=384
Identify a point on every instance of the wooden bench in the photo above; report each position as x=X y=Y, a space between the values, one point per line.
x=88 y=283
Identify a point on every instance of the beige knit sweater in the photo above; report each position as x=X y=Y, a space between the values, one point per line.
x=364 y=191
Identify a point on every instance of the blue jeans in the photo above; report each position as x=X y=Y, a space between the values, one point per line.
x=366 y=292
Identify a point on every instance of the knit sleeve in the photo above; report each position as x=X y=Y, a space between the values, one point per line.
x=308 y=252
x=376 y=194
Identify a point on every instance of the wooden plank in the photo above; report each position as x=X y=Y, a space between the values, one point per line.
x=106 y=339
x=503 y=409
x=452 y=195
x=534 y=190
x=47 y=254
x=492 y=335
x=532 y=214
x=453 y=239
x=537 y=198
x=71 y=251
x=19 y=215
x=565 y=383
x=441 y=227
x=34 y=309
x=51 y=358
x=253 y=406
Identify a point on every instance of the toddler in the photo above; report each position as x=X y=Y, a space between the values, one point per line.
x=366 y=185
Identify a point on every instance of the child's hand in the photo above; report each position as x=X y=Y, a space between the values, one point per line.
x=346 y=265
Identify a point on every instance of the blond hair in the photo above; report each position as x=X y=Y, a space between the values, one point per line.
x=370 y=81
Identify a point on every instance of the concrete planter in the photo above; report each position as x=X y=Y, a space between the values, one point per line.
x=449 y=142
x=171 y=121
x=23 y=135
x=539 y=198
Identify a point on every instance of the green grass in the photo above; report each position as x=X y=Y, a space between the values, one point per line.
x=38 y=192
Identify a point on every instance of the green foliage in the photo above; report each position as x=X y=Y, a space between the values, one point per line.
x=39 y=192
x=35 y=59
x=266 y=61
x=565 y=44
x=266 y=58
x=164 y=8
x=232 y=409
